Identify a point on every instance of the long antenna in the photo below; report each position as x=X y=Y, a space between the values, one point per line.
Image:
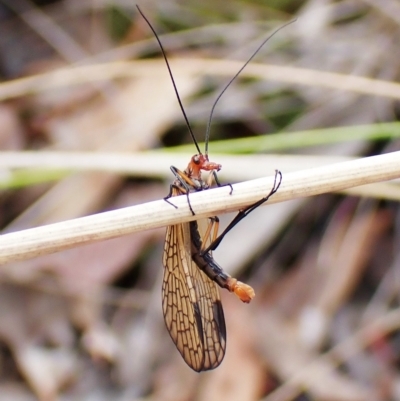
x=234 y=77
x=172 y=79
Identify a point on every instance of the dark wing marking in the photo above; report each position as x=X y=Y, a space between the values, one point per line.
x=191 y=304
x=214 y=326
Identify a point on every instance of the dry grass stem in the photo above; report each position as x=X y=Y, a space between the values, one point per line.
x=123 y=69
x=335 y=177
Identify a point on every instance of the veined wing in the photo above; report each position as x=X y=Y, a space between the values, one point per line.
x=191 y=304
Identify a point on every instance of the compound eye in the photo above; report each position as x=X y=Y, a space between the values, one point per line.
x=196 y=159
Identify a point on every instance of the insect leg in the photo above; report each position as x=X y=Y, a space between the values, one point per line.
x=216 y=228
x=217 y=181
x=181 y=191
x=243 y=213
x=185 y=184
x=213 y=226
x=171 y=194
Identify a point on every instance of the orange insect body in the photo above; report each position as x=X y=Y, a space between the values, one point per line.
x=192 y=306
x=200 y=162
x=191 y=301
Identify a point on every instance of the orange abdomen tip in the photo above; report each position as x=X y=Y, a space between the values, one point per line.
x=242 y=290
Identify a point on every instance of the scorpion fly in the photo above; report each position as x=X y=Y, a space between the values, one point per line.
x=191 y=302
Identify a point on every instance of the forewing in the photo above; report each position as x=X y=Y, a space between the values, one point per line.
x=213 y=321
x=213 y=314
x=191 y=304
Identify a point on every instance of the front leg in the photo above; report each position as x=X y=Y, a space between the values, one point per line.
x=217 y=181
x=181 y=186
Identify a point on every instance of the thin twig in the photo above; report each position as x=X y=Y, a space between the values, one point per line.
x=335 y=177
